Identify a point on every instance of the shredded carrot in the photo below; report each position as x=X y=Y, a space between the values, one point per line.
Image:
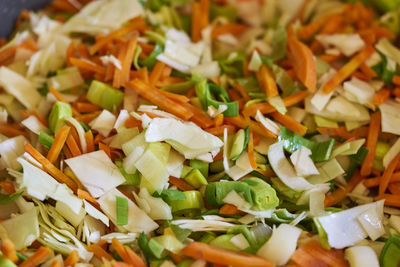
x=229 y=209
x=396 y=80
x=303 y=62
x=134 y=259
x=213 y=254
x=205 y=13
x=84 y=64
x=119 y=248
x=8 y=187
x=67 y=153
x=58 y=144
x=289 y=122
x=229 y=28
x=199 y=116
x=370 y=73
x=37 y=258
x=73 y=146
x=8 y=250
x=373 y=134
x=161 y=101
x=219 y=120
x=118 y=72
x=348 y=69
x=390 y=200
x=106 y=149
x=89 y=141
x=330 y=58
x=11 y=130
x=341 y=193
x=312 y=28
x=156 y=73
x=50 y=168
x=267 y=81
x=219 y=130
x=64 y=6
x=394 y=188
x=381 y=96
x=339 y=131
x=82 y=194
x=55 y=263
x=84 y=107
x=242 y=91
x=196 y=18
x=86 y=118
x=175 y=97
x=99 y=252
x=240 y=122
x=127 y=61
x=72 y=259
x=180 y=184
x=250 y=151
x=57 y=95
x=387 y=174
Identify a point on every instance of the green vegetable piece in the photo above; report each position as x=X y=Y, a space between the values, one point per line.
x=5 y=198
x=179 y=88
x=193 y=201
x=136 y=57
x=144 y=246
x=130 y=178
x=217 y=191
x=383 y=71
x=185 y=263
x=238 y=145
x=321 y=151
x=105 y=96
x=392 y=21
x=390 y=255
x=228 y=12
x=46 y=140
x=21 y=256
x=151 y=60
x=155 y=248
x=323 y=236
x=386 y=5
x=84 y=126
x=250 y=84
x=381 y=149
x=201 y=166
x=180 y=233
x=122 y=210
x=224 y=241
x=217 y=166
x=195 y=178
x=264 y=196
x=4 y=262
x=169 y=195
x=284 y=190
x=58 y=114
x=377 y=164
x=242 y=229
x=207 y=237
x=185 y=171
x=359 y=157
x=279 y=43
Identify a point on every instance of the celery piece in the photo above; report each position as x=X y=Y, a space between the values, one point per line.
x=46 y=140
x=323 y=236
x=179 y=88
x=169 y=242
x=284 y=190
x=381 y=149
x=104 y=95
x=122 y=210
x=225 y=11
x=58 y=114
x=201 y=166
x=264 y=196
x=323 y=122
x=390 y=255
x=282 y=216
x=180 y=233
x=224 y=241
x=185 y=171
x=195 y=178
x=169 y=195
x=4 y=262
x=193 y=201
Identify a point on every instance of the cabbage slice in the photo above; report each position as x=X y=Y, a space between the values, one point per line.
x=104 y=123
x=10 y=150
x=155 y=207
x=390 y=119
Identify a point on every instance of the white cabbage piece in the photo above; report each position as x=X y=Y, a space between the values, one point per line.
x=388 y=49
x=241 y=168
x=186 y=138
x=347 y=43
x=103 y=123
x=103 y=16
x=138 y=220
x=390 y=111
x=359 y=90
x=95 y=213
x=175 y=163
x=302 y=162
x=10 y=150
x=66 y=79
x=155 y=207
x=34 y=125
x=207 y=70
x=361 y=256
x=391 y=154
x=96 y=172
x=240 y=241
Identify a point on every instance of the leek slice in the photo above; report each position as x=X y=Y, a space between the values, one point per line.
x=59 y=112
x=105 y=96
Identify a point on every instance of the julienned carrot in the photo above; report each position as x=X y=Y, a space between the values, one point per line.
x=240 y=122
x=134 y=258
x=86 y=118
x=394 y=188
x=229 y=209
x=119 y=248
x=303 y=62
x=57 y=95
x=72 y=259
x=73 y=146
x=55 y=263
x=199 y=116
x=219 y=130
x=161 y=101
x=127 y=61
x=381 y=96
x=390 y=200
x=267 y=81
x=250 y=151
x=99 y=252
x=312 y=28
x=58 y=144
x=368 y=71
x=330 y=58
x=205 y=13
x=82 y=194
x=8 y=250
x=85 y=64
x=156 y=73
x=373 y=134
x=119 y=264
x=242 y=91
x=313 y=254
x=89 y=141
x=373 y=182
x=348 y=69
x=105 y=148
x=196 y=25
x=180 y=184
x=176 y=97
x=203 y=251
x=341 y=193
x=50 y=168
x=339 y=131
x=229 y=28
x=84 y=107
x=8 y=187
x=387 y=174
x=219 y=120
x=118 y=72
x=289 y=122
x=396 y=80
x=37 y=258
x=64 y=6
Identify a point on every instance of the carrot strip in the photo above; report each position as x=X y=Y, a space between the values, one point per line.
x=240 y=122
x=219 y=120
x=312 y=28
x=243 y=91
x=387 y=174
x=82 y=194
x=57 y=95
x=85 y=64
x=199 y=116
x=58 y=144
x=229 y=209
x=396 y=80
x=99 y=252
x=50 y=168
x=105 y=148
x=83 y=107
x=370 y=73
x=11 y=130
x=381 y=96
x=250 y=151
x=86 y=118
x=229 y=28
x=55 y=264
x=394 y=188
x=341 y=193
x=180 y=184
x=198 y=250
x=118 y=72
x=37 y=258
x=340 y=132
x=119 y=248
x=72 y=259
x=219 y=130
x=7 y=54
x=303 y=62
x=161 y=101
x=89 y=141
x=134 y=258
x=8 y=250
x=175 y=97
x=8 y=187
x=128 y=59
x=390 y=200
x=64 y=6
x=119 y=264
x=373 y=134
x=156 y=73
x=205 y=13
x=290 y=123
x=196 y=26
x=73 y=146
x=267 y=81
x=348 y=69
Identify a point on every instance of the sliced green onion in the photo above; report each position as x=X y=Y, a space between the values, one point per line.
x=195 y=178
x=21 y=256
x=383 y=71
x=104 y=95
x=264 y=196
x=169 y=195
x=224 y=241
x=185 y=171
x=217 y=166
x=84 y=126
x=156 y=248
x=122 y=210
x=193 y=201
x=390 y=255
x=46 y=140
x=180 y=233
x=151 y=60
x=201 y=166
x=185 y=263
x=242 y=229
x=136 y=57
x=58 y=114
x=207 y=237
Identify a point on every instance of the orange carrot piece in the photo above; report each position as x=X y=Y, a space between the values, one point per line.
x=267 y=81
x=312 y=28
x=99 y=252
x=120 y=264
x=394 y=188
x=229 y=209
x=156 y=73
x=339 y=131
x=37 y=258
x=219 y=130
x=134 y=258
x=341 y=193
x=390 y=200
x=72 y=259
x=348 y=69
x=196 y=25
x=50 y=168
x=84 y=107
x=85 y=64
x=57 y=95
x=176 y=97
x=250 y=151
x=119 y=248
x=387 y=174
x=290 y=123
x=118 y=72
x=11 y=130
x=73 y=146
x=396 y=80
x=82 y=194
x=199 y=116
x=205 y=13
x=180 y=184
x=381 y=96
x=8 y=187
x=243 y=91
x=105 y=148
x=89 y=141
x=303 y=62
x=55 y=263
x=86 y=118
x=128 y=59
x=240 y=122
x=64 y=6
x=368 y=71
x=8 y=250
x=58 y=144
x=161 y=101
x=229 y=28
x=373 y=134
x=213 y=254
x=219 y=120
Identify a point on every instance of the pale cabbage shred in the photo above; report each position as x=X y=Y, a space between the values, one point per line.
x=74 y=221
